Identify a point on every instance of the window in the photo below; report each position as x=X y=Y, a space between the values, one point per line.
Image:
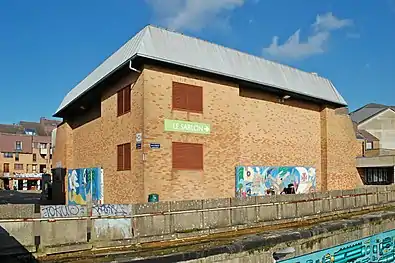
x=187 y=97
x=36 y=145
x=187 y=156
x=8 y=155
x=369 y=145
x=34 y=157
x=18 y=166
x=30 y=132
x=6 y=167
x=18 y=145
x=43 y=146
x=17 y=157
x=378 y=176
x=124 y=157
x=27 y=168
x=124 y=100
x=34 y=168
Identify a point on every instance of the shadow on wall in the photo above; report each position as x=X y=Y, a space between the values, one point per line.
x=15 y=197
x=11 y=251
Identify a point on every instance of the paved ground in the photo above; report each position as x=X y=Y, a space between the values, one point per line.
x=19 y=197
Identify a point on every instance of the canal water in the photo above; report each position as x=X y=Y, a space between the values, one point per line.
x=379 y=248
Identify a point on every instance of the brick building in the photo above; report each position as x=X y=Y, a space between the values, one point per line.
x=25 y=151
x=174 y=115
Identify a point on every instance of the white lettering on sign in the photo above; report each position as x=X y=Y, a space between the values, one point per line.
x=190 y=127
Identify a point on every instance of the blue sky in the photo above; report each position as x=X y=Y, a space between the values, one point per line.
x=47 y=47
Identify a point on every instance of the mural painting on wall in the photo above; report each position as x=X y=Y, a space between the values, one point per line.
x=85 y=185
x=260 y=180
x=377 y=248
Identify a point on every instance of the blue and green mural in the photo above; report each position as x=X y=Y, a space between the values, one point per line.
x=373 y=249
x=258 y=180
x=85 y=185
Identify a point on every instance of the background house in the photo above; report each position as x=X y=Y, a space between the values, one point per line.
x=25 y=150
x=374 y=125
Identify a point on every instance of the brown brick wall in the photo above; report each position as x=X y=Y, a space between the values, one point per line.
x=221 y=147
x=279 y=134
x=122 y=186
x=247 y=127
x=64 y=146
x=342 y=149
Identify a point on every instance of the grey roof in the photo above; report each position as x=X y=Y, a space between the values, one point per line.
x=368 y=111
x=368 y=136
x=175 y=48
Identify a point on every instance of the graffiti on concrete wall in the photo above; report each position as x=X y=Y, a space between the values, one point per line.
x=377 y=248
x=111 y=210
x=258 y=180
x=58 y=211
x=116 y=229
x=85 y=185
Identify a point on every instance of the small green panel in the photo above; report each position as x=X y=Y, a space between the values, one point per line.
x=187 y=126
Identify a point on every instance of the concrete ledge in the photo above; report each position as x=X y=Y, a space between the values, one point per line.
x=266 y=241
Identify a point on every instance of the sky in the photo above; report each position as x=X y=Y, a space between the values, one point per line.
x=47 y=47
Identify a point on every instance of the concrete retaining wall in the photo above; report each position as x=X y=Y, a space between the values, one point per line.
x=53 y=228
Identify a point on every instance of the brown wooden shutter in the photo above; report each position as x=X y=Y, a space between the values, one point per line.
x=180 y=96
x=127 y=101
x=127 y=156
x=120 y=157
x=120 y=102
x=195 y=98
x=187 y=156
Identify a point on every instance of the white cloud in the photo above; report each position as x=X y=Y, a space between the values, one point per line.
x=193 y=15
x=295 y=48
x=329 y=22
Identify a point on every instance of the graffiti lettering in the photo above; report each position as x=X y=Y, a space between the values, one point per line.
x=111 y=210
x=54 y=211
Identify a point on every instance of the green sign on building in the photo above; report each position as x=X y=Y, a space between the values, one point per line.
x=187 y=126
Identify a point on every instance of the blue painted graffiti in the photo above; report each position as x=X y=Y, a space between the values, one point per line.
x=257 y=180
x=373 y=249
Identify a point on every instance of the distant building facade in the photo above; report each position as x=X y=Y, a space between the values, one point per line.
x=173 y=115
x=375 y=128
x=25 y=152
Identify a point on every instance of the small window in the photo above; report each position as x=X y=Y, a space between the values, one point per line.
x=124 y=101
x=187 y=156
x=34 y=157
x=18 y=166
x=18 y=145
x=34 y=168
x=187 y=97
x=17 y=157
x=27 y=168
x=6 y=167
x=43 y=146
x=8 y=155
x=369 y=145
x=124 y=157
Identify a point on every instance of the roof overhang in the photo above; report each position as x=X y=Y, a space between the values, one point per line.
x=377 y=161
x=139 y=60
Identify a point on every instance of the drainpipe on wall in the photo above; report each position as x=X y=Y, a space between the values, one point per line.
x=132 y=68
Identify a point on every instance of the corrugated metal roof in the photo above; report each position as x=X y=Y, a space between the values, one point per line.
x=175 y=48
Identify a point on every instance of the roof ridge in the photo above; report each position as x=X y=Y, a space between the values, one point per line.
x=236 y=50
